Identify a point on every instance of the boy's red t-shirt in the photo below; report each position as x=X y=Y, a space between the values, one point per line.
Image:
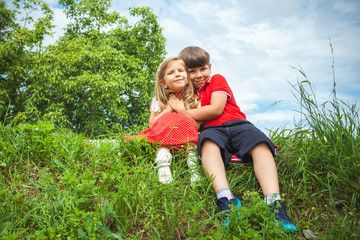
x=218 y=83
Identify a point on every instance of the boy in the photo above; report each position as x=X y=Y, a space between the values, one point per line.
x=225 y=132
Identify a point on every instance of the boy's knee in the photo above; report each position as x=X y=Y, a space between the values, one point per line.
x=209 y=146
x=208 y=143
x=263 y=146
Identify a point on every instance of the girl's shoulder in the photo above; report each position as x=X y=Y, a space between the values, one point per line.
x=155 y=105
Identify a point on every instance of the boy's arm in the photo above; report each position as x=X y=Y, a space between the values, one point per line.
x=214 y=110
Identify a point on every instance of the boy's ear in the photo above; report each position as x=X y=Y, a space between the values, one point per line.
x=210 y=67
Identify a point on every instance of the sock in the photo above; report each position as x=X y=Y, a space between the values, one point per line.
x=162 y=152
x=192 y=162
x=224 y=192
x=269 y=199
x=163 y=162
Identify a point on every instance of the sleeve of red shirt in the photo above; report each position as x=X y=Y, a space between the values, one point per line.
x=219 y=84
x=231 y=111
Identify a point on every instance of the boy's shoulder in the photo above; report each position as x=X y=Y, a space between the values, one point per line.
x=217 y=77
x=215 y=81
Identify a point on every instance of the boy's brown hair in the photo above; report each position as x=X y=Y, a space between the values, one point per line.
x=195 y=57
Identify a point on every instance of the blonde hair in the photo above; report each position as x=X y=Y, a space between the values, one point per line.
x=162 y=94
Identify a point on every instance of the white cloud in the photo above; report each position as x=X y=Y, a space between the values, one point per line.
x=175 y=30
x=272 y=116
x=201 y=11
x=272 y=120
x=347 y=7
x=60 y=22
x=227 y=17
x=246 y=107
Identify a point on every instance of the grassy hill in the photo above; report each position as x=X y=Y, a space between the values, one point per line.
x=58 y=185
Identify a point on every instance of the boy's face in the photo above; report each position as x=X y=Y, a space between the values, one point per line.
x=200 y=75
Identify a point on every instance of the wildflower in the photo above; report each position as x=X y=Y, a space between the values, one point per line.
x=313 y=208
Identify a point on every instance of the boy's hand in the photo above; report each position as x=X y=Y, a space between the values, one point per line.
x=211 y=111
x=177 y=105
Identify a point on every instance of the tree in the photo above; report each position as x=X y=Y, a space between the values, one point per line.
x=100 y=74
x=19 y=49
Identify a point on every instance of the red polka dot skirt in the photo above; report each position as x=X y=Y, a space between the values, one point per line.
x=171 y=129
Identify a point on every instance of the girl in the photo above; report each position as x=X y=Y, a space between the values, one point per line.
x=168 y=128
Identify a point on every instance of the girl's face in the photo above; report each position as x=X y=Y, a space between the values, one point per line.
x=175 y=77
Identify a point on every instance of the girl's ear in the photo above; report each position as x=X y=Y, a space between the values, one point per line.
x=162 y=82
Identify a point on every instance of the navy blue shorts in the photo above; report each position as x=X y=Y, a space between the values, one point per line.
x=235 y=138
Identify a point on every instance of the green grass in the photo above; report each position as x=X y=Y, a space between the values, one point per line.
x=57 y=185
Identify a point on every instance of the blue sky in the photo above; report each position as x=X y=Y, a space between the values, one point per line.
x=255 y=43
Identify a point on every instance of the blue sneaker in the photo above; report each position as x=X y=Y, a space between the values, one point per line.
x=281 y=216
x=224 y=204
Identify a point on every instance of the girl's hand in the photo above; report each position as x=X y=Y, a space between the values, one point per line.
x=176 y=104
x=179 y=95
x=168 y=108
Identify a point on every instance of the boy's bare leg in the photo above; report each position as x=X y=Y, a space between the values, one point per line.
x=265 y=169
x=266 y=174
x=213 y=165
